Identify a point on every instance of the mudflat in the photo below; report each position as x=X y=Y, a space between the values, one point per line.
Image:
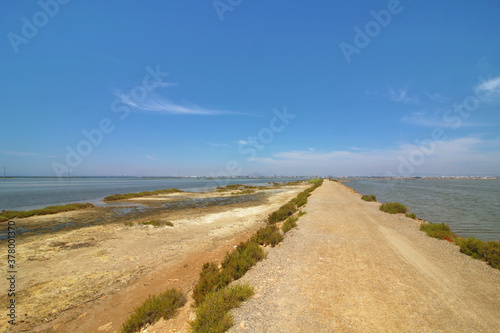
x=85 y=271
x=349 y=267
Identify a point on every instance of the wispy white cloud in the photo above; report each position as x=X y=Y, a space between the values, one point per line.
x=436 y=97
x=467 y=155
x=23 y=153
x=401 y=96
x=156 y=103
x=438 y=119
x=149 y=157
x=213 y=144
x=489 y=90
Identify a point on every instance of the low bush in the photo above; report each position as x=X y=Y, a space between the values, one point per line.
x=10 y=214
x=440 y=231
x=282 y=213
x=238 y=262
x=289 y=224
x=411 y=215
x=168 y=223
x=302 y=213
x=128 y=223
x=211 y=280
x=476 y=248
x=213 y=314
x=473 y=247
x=492 y=254
x=155 y=307
x=155 y=222
x=234 y=265
x=116 y=197
x=393 y=208
x=371 y=197
x=269 y=235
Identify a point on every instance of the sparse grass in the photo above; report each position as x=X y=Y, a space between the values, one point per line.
x=302 y=213
x=411 y=215
x=128 y=223
x=213 y=314
x=155 y=307
x=371 y=197
x=10 y=214
x=393 y=208
x=116 y=197
x=269 y=235
x=243 y=192
x=438 y=230
x=157 y=223
x=289 y=224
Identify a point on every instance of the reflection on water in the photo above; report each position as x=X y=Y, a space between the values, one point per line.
x=32 y=193
x=470 y=207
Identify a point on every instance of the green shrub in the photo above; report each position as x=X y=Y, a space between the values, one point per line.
x=115 y=197
x=289 y=224
x=154 y=308
x=211 y=280
x=269 y=235
x=393 y=208
x=473 y=247
x=234 y=265
x=440 y=231
x=155 y=222
x=411 y=216
x=316 y=181
x=10 y=214
x=170 y=224
x=302 y=213
x=282 y=213
x=492 y=254
x=237 y=263
x=371 y=197
x=213 y=314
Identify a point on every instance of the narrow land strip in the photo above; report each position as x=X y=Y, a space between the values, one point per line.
x=352 y=268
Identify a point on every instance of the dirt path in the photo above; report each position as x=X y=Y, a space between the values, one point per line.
x=352 y=268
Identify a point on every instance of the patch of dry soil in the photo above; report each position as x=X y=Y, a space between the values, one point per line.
x=89 y=277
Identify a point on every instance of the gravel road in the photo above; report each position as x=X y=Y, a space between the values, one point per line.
x=349 y=267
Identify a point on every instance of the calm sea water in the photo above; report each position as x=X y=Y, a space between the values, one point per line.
x=470 y=207
x=33 y=193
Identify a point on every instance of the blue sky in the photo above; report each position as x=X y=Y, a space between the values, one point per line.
x=148 y=88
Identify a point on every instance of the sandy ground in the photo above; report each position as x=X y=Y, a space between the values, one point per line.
x=89 y=278
x=349 y=267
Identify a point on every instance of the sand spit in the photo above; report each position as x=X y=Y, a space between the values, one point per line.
x=90 y=270
x=349 y=267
